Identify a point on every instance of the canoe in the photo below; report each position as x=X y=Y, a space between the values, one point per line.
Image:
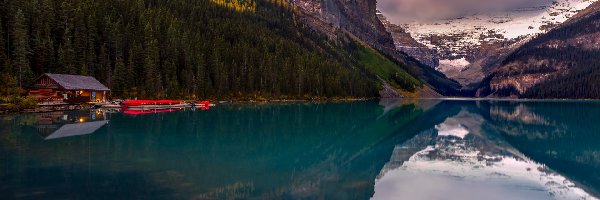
x=156 y=106
x=143 y=112
x=204 y=105
x=162 y=104
x=151 y=102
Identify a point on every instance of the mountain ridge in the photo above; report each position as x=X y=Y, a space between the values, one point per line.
x=467 y=48
x=562 y=63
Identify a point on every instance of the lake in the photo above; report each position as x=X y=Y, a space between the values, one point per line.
x=389 y=149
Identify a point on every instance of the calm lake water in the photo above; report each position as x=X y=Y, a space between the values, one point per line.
x=408 y=149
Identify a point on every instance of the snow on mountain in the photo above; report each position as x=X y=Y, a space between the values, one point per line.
x=468 y=46
x=459 y=34
x=456 y=64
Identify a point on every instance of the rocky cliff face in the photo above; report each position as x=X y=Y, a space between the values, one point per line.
x=359 y=18
x=405 y=43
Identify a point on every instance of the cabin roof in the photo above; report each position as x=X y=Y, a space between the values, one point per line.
x=68 y=130
x=77 y=82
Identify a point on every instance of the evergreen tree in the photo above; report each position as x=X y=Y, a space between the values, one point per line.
x=21 y=49
x=152 y=75
x=3 y=50
x=121 y=78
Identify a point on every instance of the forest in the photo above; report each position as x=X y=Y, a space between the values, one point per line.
x=579 y=82
x=575 y=68
x=183 y=49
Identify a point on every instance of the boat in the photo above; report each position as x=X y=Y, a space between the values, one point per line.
x=162 y=104
x=143 y=112
x=204 y=105
x=151 y=102
x=154 y=107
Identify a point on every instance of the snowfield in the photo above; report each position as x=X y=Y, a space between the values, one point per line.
x=457 y=64
x=511 y=24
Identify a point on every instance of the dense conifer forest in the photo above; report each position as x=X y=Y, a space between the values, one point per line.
x=581 y=81
x=184 y=49
x=575 y=67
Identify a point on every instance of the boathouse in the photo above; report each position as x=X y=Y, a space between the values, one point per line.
x=65 y=88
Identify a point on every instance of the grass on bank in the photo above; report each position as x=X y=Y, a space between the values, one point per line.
x=385 y=69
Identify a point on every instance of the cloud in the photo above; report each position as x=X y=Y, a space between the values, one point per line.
x=424 y=10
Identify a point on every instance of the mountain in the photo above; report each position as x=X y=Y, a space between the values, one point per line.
x=467 y=48
x=562 y=63
x=404 y=42
x=360 y=19
x=223 y=49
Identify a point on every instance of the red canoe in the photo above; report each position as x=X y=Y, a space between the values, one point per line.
x=143 y=112
x=151 y=102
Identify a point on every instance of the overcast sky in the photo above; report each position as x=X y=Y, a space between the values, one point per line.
x=423 y=10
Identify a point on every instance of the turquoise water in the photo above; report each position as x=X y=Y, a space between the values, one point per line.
x=409 y=149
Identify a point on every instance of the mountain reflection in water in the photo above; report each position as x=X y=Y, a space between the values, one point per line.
x=468 y=157
x=391 y=149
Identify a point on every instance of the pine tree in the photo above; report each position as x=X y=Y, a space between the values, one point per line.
x=3 y=54
x=121 y=78
x=42 y=56
x=21 y=49
x=152 y=75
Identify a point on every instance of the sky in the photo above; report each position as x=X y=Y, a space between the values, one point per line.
x=429 y=10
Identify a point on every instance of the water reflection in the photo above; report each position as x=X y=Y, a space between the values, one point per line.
x=61 y=124
x=565 y=136
x=274 y=151
x=468 y=157
x=393 y=149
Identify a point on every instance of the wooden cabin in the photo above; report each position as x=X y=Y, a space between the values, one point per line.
x=64 y=88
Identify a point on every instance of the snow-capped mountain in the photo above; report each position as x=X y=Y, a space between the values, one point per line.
x=461 y=34
x=473 y=42
x=562 y=63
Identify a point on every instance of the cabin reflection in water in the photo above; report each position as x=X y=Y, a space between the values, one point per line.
x=61 y=124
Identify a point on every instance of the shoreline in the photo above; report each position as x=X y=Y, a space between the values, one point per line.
x=507 y=99
x=70 y=107
x=45 y=108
